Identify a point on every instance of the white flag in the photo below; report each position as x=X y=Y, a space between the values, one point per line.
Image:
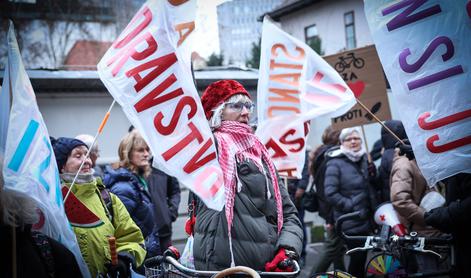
x=424 y=47
x=148 y=72
x=29 y=164
x=295 y=85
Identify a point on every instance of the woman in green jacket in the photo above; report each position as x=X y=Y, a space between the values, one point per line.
x=96 y=215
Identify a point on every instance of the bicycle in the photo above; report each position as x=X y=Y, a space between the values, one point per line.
x=167 y=266
x=346 y=61
x=391 y=260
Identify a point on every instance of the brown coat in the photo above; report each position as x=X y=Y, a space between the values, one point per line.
x=408 y=186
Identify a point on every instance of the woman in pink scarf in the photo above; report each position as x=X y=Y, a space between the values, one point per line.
x=258 y=226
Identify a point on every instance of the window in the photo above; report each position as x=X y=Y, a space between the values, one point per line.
x=312 y=38
x=349 y=20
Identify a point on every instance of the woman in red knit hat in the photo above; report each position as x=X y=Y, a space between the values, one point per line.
x=258 y=227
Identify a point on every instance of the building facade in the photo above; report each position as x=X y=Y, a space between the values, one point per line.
x=340 y=24
x=239 y=28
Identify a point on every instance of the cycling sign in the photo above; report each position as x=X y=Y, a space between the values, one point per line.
x=361 y=69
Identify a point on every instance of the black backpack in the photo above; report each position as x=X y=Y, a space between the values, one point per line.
x=314 y=199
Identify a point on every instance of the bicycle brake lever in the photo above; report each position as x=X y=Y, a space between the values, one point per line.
x=432 y=252
x=366 y=247
x=421 y=249
x=359 y=249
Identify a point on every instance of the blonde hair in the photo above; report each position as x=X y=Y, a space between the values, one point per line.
x=130 y=142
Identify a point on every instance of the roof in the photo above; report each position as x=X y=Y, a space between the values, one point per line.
x=288 y=7
x=85 y=55
x=62 y=81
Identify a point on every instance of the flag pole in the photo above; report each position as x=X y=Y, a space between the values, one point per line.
x=100 y=129
x=13 y=251
x=379 y=121
x=366 y=143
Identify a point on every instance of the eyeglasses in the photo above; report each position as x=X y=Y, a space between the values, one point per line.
x=352 y=139
x=238 y=106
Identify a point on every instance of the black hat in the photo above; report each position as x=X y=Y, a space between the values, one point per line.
x=63 y=146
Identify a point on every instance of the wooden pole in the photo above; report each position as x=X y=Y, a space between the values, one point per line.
x=366 y=144
x=13 y=252
x=380 y=122
x=285 y=178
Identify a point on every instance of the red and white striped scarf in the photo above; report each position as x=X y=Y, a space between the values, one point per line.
x=236 y=142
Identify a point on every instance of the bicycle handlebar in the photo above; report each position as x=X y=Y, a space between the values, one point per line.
x=371 y=242
x=343 y=218
x=204 y=273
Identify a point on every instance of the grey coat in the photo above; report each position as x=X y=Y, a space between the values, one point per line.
x=347 y=189
x=255 y=240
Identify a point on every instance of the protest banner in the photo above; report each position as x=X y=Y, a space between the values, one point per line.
x=427 y=61
x=295 y=85
x=29 y=165
x=148 y=72
x=362 y=71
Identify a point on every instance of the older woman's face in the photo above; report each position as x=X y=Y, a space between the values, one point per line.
x=238 y=111
x=77 y=155
x=140 y=156
x=352 y=142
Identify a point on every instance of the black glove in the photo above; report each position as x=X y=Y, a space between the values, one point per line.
x=405 y=149
x=371 y=170
x=120 y=270
x=438 y=218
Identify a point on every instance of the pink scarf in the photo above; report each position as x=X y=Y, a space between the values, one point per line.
x=236 y=142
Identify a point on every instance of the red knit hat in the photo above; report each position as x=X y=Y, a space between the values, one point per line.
x=218 y=92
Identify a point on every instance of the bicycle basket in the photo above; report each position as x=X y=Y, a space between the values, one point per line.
x=156 y=267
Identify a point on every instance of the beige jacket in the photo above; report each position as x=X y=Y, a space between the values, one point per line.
x=408 y=186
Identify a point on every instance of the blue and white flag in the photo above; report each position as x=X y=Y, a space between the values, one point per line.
x=29 y=164
x=424 y=48
x=5 y=97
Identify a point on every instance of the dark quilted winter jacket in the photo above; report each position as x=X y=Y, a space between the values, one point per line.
x=137 y=201
x=254 y=228
x=347 y=189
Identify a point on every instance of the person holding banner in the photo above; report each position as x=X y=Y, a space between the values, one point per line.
x=454 y=218
x=37 y=255
x=408 y=189
x=129 y=184
x=95 y=214
x=348 y=188
x=389 y=142
x=259 y=227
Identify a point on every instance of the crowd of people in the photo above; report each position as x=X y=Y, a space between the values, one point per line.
x=262 y=222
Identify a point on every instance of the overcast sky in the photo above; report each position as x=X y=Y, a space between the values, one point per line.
x=206 y=37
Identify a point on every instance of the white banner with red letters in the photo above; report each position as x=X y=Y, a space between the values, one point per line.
x=147 y=70
x=424 y=47
x=295 y=85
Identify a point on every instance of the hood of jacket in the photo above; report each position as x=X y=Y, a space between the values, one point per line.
x=334 y=152
x=387 y=138
x=114 y=176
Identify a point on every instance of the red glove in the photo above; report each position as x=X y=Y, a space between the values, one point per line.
x=190 y=225
x=279 y=257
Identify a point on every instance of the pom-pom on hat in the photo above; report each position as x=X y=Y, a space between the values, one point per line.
x=218 y=92
x=62 y=147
